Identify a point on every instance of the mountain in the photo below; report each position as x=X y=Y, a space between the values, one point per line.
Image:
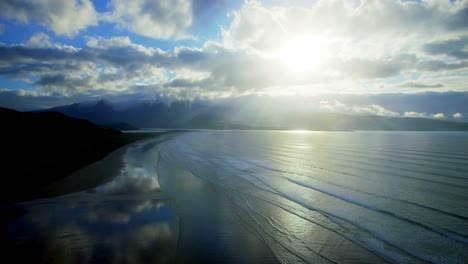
x=100 y=112
x=209 y=115
x=41 y=147
x=180 y=114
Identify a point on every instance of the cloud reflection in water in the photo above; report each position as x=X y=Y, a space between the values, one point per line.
x=138 y=175
x=137 y=231
x=122 y=221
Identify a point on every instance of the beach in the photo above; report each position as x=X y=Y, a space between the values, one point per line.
x=114 y=210
x=256 y=197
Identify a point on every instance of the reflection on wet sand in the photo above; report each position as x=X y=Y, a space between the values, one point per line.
x=138 y=175
x=104 y=232
x=125 y=217
x=126 y=220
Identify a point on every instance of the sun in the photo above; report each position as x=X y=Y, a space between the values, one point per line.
x=301 y=54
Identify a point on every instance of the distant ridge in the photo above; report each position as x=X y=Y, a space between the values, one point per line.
x=200 y=115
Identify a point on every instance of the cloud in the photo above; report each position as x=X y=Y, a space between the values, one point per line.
x=372 y=109
x=420 y=85
x=373 y=44
x=26 y=100
x=184 y=83
x=63 y=84
x=62 y=17
x=118 y=64
x=395 y=105
x=361 y=68
x=453 y=47
x=165 y=19
x=459 y=20
x=424 y=115
x=416 y=115
x=113 y=42
x=39 y=40
x=332 y=106
x=439 y=65
x=358 y=46
x=366 y=24
x=109 y=64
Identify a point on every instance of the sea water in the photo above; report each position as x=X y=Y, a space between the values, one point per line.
x=339 y=197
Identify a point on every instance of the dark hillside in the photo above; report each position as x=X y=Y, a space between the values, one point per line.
x=39 y=148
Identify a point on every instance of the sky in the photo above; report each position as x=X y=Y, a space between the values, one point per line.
x=56 y=52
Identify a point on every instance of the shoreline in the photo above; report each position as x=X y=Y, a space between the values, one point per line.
x=74 y=164
x=188 y=219
x=99 y=172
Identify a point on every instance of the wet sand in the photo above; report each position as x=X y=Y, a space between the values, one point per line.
x=115 y=212
x=209 y=229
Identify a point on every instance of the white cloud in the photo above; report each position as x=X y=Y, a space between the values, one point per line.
x=363 y=26
x=375 y=109
x=362 y=46
x=103 y=43
x=424 y=115
x=416 y=114
x=39 y=40
x=165 y=19
x=63 y=17
x=113 y=64
x=332 y=106
x=372 y=109
x=357 y=40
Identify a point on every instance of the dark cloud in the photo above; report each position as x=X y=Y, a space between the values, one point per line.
x=453 y=47
x=187 y=83
x=165 y=19
x=71 y=83
x=70 y=69
x=18 y=100
x=22 y=53
x=38 y=68
x=420 y=85
x=459 y=20
x=362 y=68
x=438 y=65
x=62 y=17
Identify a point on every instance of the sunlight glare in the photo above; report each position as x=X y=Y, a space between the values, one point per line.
x=301 y=54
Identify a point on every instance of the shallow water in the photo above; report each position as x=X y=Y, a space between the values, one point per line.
x=251 y=196
x=362 y=197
